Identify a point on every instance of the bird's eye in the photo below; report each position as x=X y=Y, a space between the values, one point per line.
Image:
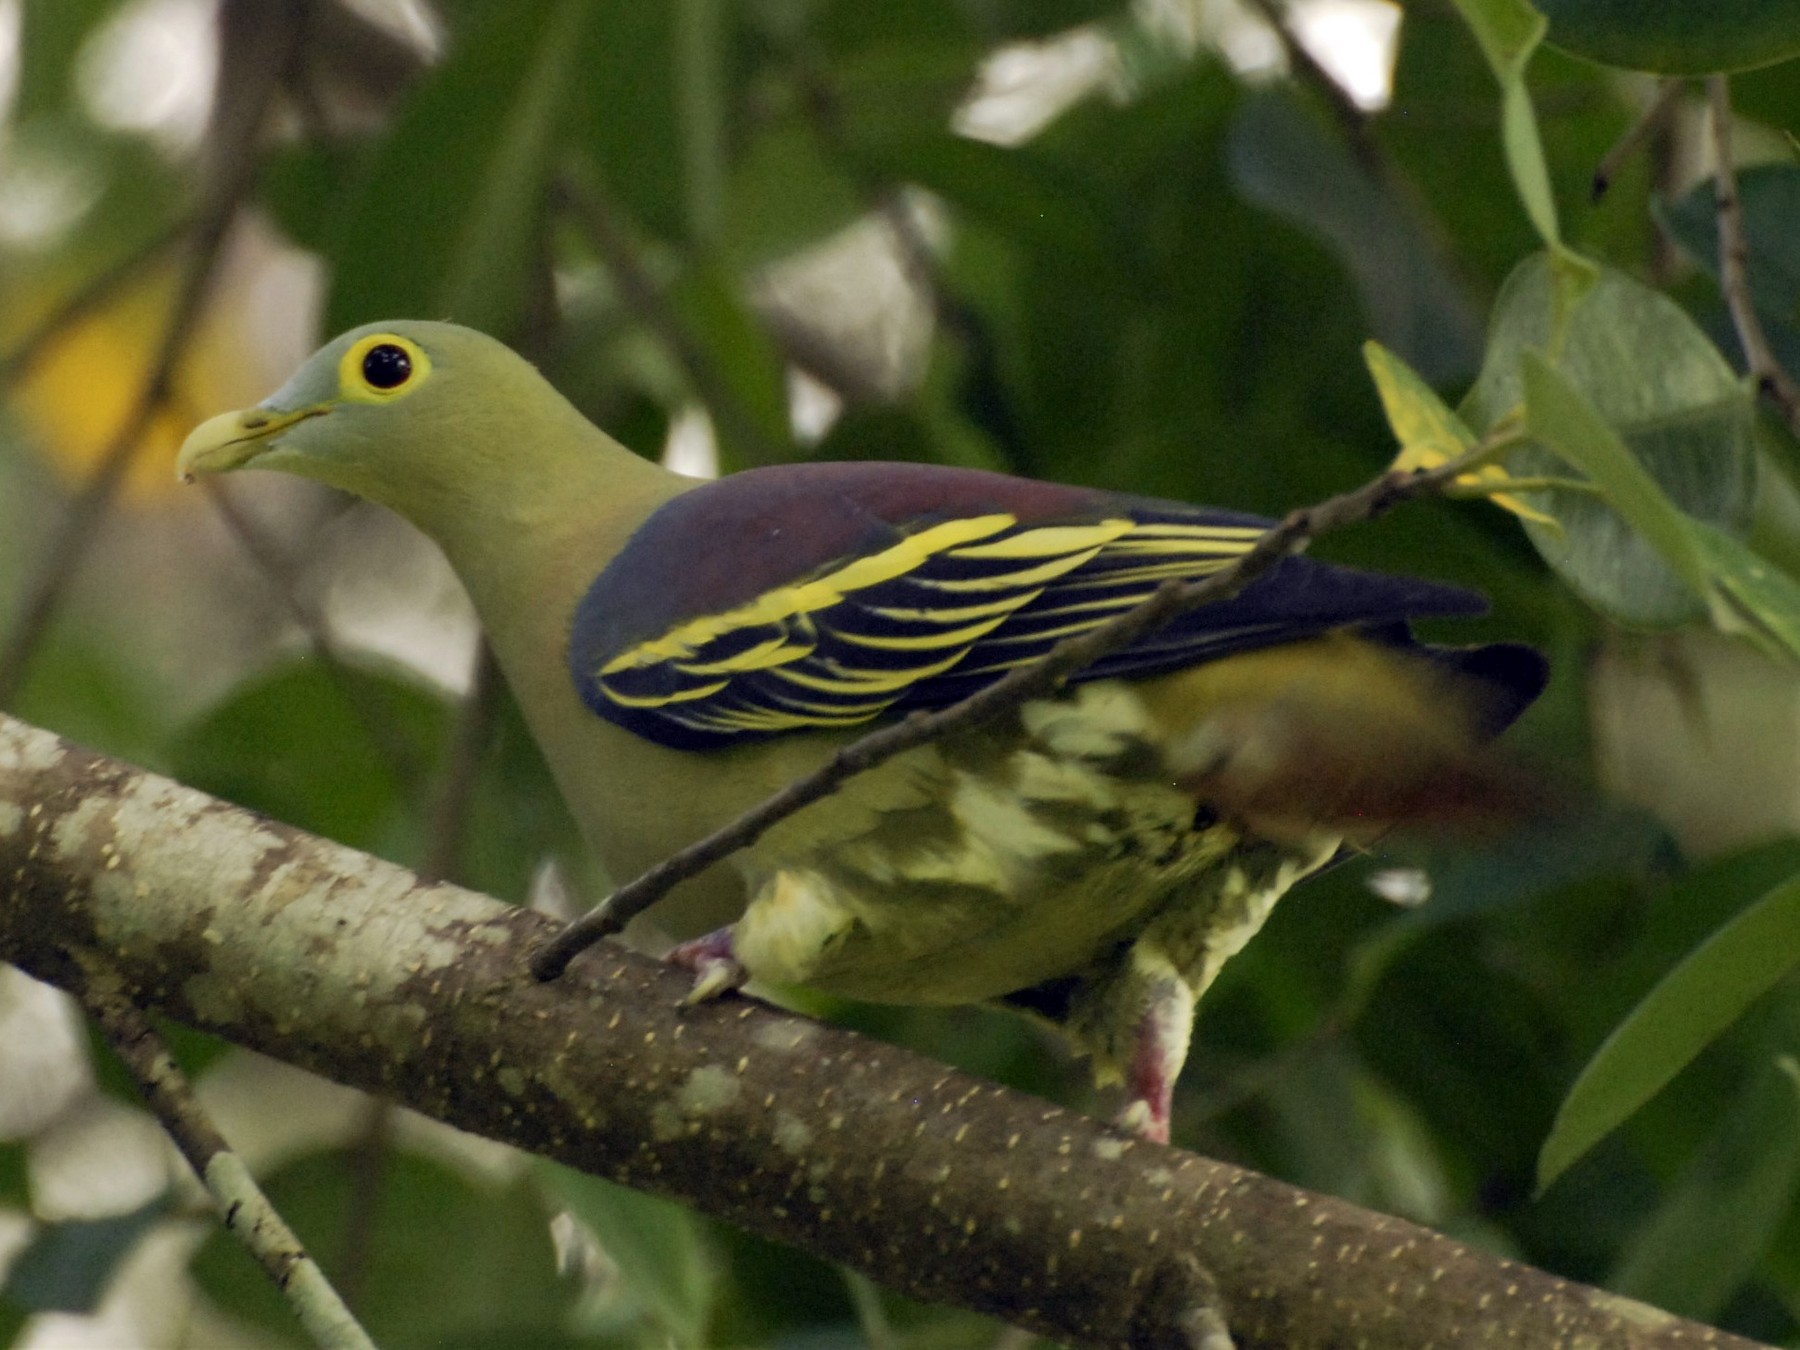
x=387 y=366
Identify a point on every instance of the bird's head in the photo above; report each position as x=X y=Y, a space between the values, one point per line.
x=403 y=413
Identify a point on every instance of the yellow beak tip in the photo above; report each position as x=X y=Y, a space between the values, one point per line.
x=233 y=439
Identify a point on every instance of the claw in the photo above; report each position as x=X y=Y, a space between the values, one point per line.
x=713 y=978
x=1139 y=1117
x=714 y=964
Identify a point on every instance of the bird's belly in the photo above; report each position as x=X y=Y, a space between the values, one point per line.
x=976 y=867
x=933 y=943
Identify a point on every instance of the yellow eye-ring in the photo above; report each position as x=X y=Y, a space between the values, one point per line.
x=382 y=367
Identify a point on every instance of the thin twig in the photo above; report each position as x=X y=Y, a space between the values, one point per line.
x=243 y=1208
x=1734 y=266
x=86 y=298
x=235 y=161
x=1171 y=599
x=644 y=297
x=1651 y=118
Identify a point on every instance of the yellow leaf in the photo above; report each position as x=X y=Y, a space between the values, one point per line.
x=1431 y=434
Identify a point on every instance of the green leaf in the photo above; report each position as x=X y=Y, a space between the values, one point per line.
x=787 y=191
x=1721 y=1213
x=1015 y=189
x=749 y=402
x=1639 y=363
x=336 y=750
x=1560 y=417
x=1285 y=159
x=52 y=34
x=1679 y=1018
x=628 y=120
x=658 y=1246
x=1753 y=597
x=445 y=222
x=1770 y=196
x=1509 y=31
x=68 y=1265
x=517 y=817
x=448 y=1257
x=1676 y=37
x=15 y=1181
x=301 y=186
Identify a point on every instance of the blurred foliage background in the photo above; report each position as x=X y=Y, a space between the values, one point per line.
x=1137 y=245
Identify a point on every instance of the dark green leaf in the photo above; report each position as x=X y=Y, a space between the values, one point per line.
x=1722 y=1212
x=302 y=188
x=747 y=389
x=1676 y=37
x=15 y=1184
x=518 y=819
x=787 y=191
x=1663 y=389
x=68 y=1265
x=1282 y=159
x=444 y=223
x=1680 y=1017
x=1039 y=204
x=658 y=1246
x=627 y=120
x=1758 y=599
x=336 y=750
x=1770 y=194
x=449 y=1257
x=51 y=36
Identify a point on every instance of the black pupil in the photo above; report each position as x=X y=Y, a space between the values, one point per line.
x=387 y=366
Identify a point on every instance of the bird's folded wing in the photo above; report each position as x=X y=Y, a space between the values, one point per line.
x=925 y=606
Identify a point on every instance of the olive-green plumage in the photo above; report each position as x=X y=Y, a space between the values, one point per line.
x=682 y=652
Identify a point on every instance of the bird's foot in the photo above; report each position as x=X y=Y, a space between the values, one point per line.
x=1156 y=1058
x=1139 y=1117
x=714 y=963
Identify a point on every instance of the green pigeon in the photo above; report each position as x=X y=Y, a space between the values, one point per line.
x=684 y=648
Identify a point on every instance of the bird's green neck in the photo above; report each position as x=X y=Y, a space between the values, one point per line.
x=535 y=508
x=526 y=493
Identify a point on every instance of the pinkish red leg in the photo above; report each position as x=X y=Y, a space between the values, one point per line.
x=1158 y=1050
x=714 y=963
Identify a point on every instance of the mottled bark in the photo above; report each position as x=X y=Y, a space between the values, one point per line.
x=935 y=1183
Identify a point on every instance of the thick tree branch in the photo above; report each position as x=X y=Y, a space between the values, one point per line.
x=938 y=1184
x=1171 y=600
